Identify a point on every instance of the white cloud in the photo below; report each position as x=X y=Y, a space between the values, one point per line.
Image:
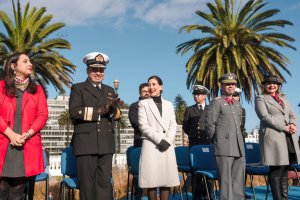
x=170 y=13
x=166 y=13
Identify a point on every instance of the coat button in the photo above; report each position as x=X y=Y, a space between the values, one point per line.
x=98 y=129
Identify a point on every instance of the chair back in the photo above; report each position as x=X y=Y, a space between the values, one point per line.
x=134 y=158
x=128 y=151
x=182 y=155
x=202 y=157
x=252 y=151
x=45 y=159
x=68 y=162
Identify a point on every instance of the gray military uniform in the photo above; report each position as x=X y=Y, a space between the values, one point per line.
x=223 y=122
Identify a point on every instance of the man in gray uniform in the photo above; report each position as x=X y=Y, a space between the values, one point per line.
x=223 y=123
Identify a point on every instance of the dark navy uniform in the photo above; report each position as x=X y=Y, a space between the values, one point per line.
x=93 y=139
x=194 y=126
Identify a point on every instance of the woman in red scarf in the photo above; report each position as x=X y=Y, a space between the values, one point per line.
x=277 y=135
x=23 y=113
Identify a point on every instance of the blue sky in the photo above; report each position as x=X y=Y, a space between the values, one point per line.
x=140 y=37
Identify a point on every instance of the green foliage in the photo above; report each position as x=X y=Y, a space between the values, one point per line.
x=65 y=120
x=236 y=40
x=179 y=107
x=29 y=32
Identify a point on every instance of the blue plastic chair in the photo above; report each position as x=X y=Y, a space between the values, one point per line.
x=183 y=163
x=128 y=151
x=134 y=160
x=203 y=163
x=254 y=166
x=69 y=172
x=44 y=176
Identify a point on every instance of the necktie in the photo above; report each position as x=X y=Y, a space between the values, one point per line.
x=279 y=101
x=200 y=107
x=98 y=88
x=229 y=101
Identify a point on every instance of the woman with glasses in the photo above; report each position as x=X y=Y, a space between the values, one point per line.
x=277 y=135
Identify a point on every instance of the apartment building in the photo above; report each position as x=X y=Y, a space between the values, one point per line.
x=54 y=137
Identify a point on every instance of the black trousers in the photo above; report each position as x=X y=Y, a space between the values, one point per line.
x=12 y=188
x=94 y=176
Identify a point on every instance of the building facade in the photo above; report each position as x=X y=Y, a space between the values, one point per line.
x=54 y=137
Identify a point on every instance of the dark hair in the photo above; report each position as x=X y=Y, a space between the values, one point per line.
x=9 y=75
x=142 y=86
x=156 y=78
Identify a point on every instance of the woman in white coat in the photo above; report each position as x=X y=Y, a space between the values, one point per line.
x=277 y=135
x=158 y=167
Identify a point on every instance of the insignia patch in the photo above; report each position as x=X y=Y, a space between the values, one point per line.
x=99 y=58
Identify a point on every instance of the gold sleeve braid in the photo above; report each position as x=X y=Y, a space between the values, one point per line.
x=88 y=113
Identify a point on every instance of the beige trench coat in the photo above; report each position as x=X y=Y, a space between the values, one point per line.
x=157 y=169
x=272 y=139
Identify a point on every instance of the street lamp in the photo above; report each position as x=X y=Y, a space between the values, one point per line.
x=116 y=87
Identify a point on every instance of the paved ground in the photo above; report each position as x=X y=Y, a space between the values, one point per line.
x=294 y=194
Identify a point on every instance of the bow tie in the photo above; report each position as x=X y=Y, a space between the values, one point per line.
x=229 y=101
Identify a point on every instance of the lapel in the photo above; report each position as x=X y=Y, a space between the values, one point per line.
x=99 y=95
x=91 y=89
x=272 y=101
x=155 y=112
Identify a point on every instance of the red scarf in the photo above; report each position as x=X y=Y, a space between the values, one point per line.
x=229 y=101
x=279 y=101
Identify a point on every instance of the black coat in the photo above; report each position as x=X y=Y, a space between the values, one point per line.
x=91 y=136
x=134 y=121
x=194 y=125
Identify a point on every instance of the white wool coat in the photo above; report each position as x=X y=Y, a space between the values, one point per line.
x=157 y=169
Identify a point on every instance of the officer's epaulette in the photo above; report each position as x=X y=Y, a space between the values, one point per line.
x=217 y=98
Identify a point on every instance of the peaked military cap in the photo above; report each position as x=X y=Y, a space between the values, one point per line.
x=271 y=79
x=200 y=89
x=228 y=78
x=96 y=59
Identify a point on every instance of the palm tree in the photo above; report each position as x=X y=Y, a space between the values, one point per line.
x=29 y=33
x=239 y=41
x=179 y=107
x=64 y=120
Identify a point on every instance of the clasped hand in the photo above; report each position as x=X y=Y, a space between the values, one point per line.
x=17 y=139
x=113 y=103
x=163 y=145
x=291 y=129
